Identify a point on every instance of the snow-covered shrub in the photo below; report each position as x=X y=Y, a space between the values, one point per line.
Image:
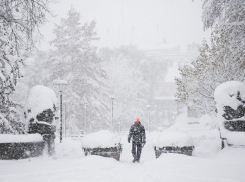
x=101 y=139
x=230 y=100
x=230 y=103
x=173 y=138
x=20 y=146
x=40 y=99
x=103 y=143
x=40 y=109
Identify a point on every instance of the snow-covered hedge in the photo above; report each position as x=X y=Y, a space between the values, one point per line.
x=101 y=139
x=173 y=138
x=8 y=138
x=20 y=146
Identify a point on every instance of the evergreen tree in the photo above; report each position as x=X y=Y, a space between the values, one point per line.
x=74 y=59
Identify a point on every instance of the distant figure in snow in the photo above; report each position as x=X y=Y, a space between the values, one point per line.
x=137 y=133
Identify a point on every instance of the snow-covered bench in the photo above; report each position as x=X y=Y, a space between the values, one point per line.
x=103 y=143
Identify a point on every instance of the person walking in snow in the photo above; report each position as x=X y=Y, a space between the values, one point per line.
x=137 y=133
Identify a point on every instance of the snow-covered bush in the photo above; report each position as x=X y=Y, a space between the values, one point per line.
x=230 y=99
x=101 y=139
x=40 y=99
x=168 y=138
x=103 y=143
x=230 y=103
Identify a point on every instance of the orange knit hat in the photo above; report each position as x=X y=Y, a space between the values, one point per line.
x=137 y=119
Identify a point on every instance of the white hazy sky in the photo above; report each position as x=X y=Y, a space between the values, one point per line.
x=136 y=22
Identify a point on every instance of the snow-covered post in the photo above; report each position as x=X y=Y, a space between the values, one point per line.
x=112 y=98
x=65 y=117
x=60 y=83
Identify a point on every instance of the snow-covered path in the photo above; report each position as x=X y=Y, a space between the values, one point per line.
x=227 y=166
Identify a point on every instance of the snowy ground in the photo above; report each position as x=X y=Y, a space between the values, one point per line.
x=71 y=165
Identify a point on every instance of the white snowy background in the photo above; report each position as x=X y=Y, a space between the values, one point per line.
x=139 y=52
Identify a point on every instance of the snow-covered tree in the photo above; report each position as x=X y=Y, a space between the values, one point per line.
x=227 y=18
x=219 y=62
x=213 y=67
x=227 y=13
x=19 y=20
x=74 y=59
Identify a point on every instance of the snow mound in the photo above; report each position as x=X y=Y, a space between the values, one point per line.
x=101 y=139
x=40 y=98
x=206 y=147
x=8 y=138
x=185 y=123
x=69 y=149
x=226 y=95
x=173 y=138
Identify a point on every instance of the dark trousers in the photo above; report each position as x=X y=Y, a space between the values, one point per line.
x=136 y=152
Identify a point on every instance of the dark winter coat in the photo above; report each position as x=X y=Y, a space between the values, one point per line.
x=137 y=133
